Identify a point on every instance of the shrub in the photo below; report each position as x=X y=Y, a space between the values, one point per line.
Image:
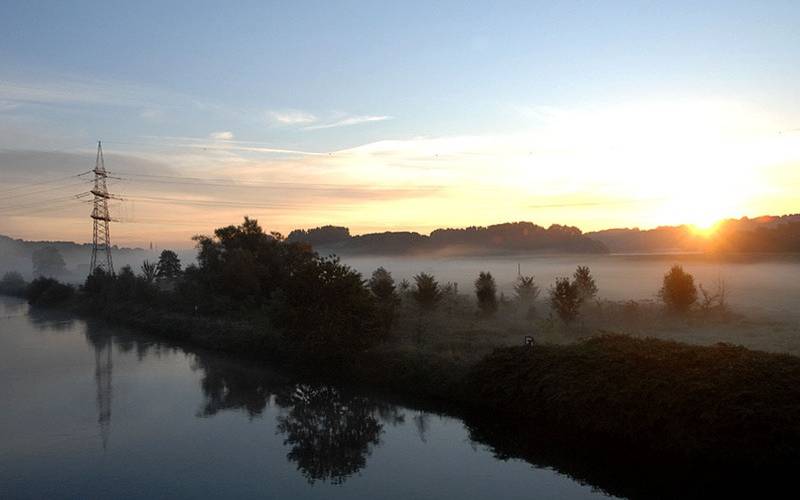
x=426 y=292
x=149 y=271
x=678 y=291
x=486 y=292
x=47 y=291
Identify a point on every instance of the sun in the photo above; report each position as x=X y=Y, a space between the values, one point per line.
x=705 y=229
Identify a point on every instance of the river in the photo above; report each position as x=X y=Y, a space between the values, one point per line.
x=94 y=411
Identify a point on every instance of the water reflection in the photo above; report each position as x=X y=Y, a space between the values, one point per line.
x=329 y=433
x=103 y=367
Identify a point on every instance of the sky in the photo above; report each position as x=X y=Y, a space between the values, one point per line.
x=396 y=115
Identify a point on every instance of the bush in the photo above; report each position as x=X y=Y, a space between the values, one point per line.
x=565 y=299
x=13 y=284
x=486 y=292
x=426 y=292
x=678 y=291
x=47 y=292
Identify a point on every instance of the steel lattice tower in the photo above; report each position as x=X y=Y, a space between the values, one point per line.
x=101 y=241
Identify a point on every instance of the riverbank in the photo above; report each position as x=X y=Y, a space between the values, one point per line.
x=717 y=408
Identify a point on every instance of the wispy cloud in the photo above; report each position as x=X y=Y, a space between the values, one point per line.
x=8 y=105
x=292 y=117
x=151 y=114
x=226 y=135
x=352 y=120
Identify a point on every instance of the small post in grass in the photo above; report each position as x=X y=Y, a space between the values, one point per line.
x=529 y=341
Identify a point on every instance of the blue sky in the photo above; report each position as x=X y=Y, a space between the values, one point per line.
x=322 y=77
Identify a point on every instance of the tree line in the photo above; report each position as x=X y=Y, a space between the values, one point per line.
x=243 y=271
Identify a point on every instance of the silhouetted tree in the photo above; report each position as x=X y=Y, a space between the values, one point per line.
x=149 y=271
x=527 y=292
x=48 y=262
x=587 y=289
x=486 y=292
x=678 y=291
x=13 y=284
x=326 y=305
x=169 y=265
x=382 y=286
x=426 y=292
x=565 y=299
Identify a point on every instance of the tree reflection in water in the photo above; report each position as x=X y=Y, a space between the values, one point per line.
x=331 y=435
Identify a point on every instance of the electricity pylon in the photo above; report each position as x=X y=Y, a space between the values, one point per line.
x=101 y=241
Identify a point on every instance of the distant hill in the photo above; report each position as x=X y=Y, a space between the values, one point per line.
x=768 y=234
x=15 y=255
x=498 y=239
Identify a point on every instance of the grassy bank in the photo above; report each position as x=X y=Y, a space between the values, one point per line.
x=721 y=405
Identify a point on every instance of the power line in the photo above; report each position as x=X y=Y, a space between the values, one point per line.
x=25 y=186
x=218 y=203
x=46 y=190
x=223 y=182
x=35 y=204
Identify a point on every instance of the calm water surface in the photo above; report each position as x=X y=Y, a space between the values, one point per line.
x=90 y=411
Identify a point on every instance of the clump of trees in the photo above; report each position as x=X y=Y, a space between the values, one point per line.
x=678 y=291
x=486 y=292
x=567 y=297
x=314 y=301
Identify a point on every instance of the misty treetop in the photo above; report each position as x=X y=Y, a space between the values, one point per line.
x=48 y=262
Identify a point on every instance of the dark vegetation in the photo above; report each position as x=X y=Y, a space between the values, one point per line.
x=714 y=406
x=505 y=238
x=258 y=294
